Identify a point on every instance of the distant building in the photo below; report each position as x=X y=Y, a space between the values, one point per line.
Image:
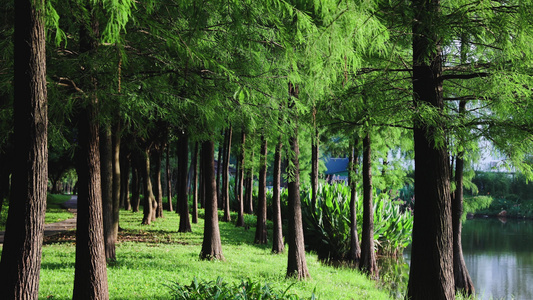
x=337 y=169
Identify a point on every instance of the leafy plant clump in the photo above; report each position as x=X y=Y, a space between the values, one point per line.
x=327 y=224
x=222 y=290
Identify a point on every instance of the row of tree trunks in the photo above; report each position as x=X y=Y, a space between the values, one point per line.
x=261 y=228
x=21 y=254
x=183 y=191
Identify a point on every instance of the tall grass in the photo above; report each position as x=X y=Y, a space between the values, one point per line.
x=151 y=259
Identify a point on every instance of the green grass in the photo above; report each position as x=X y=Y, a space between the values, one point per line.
x=152 y=258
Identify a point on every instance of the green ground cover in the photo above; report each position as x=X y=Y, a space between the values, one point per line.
x=151 y=259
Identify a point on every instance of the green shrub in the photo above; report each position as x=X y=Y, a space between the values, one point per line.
x=221 y=290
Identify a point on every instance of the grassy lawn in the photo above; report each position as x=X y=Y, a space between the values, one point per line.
x=151 y=258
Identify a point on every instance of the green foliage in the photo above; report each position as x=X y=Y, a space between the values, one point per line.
x=219 y=289
x=327 y=225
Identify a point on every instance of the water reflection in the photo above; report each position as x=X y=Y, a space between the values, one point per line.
x=499 y=257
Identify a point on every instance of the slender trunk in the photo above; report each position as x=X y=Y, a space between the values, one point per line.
x=202 y=185
x=239 y=183
x=169 y=180
x=225 y=177
x=211 y=245
x=368 y=256
x=125 y=168
x=355 y=249
x=90 y=277
x=158 y=188
x=106 y=169
x=261 y=228
x=194 y=164
x=21 y=254
x=219 y=171
x=249 y=198
x=314 y=161
x=277 y=233
x=183 y=195
x=296 y=263
x=463 y=282
x=431 y=273
x=116 y=178
x=135 y=183
x=149 y=199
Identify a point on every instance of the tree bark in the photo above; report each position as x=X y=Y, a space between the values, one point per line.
x=21 y=254
x=157 y=153
x=218 y=172
x=169 y=179
x=463 y=282
x=183 y=194
x=277 y=232
x=249 y=195
x=431 y=271
x=135 y=183
x=194 y=164
x=261 y=227
x=90 y=277
x=106 y=169
x=368 y=256
x=314 y=160
x=149 y=203
x=355 y=249
x=125 y=167
x=225 y=176
x=296 y=263
x=240 y=183
x=211 y=245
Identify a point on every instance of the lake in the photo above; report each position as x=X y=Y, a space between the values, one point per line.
x=499 y=258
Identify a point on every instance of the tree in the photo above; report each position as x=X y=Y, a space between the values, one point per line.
x=183 y=195
x=355 y=249
x=240 y=183
x=211 y=245
x=21 y=254
x=261 y=227
x=277 y=233
x=225 y=175
x=431 y=273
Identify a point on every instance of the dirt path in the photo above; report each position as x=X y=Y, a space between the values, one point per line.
x=59 y=227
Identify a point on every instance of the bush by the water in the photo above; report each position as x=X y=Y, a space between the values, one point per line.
x=327 y=224
x=200 y=290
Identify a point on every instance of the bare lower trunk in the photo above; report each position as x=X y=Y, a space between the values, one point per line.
x=240 y=183
x=106 y=169
x=277 y=233
x=194 y=164
x=355 y=249
x=158 y=188
x=149 y=199
x=125 y=167
x=169 y=180
x=21 y=254
x=135 y=184
x=368 y=263
x=225 y=176
x=183 y=195
x=261 y=228
x=211 y=245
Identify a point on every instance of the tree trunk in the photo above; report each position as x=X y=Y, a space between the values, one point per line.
x=125 y=167
x=183 y=195
x=277 y=233
x=211 y=245
x=240 y=183
x=117 y=131
x=355 y=249
x=261 y=227
x=158 y=188
x=21 y=254
x=219 y=171
x=135 y=183
x=314 y=161
x=368 y=256
x=169 y=180
x=194 y=164
x=149 y=199
x=431 y=271
x=225 y=176
x=463 y=282
x=90 y=277
x=249 y=196
x=296 y=263
x=106 y=169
